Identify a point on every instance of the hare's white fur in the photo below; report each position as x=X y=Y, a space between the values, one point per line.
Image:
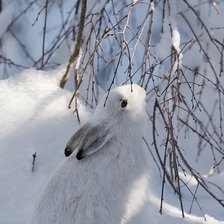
x=105 y=179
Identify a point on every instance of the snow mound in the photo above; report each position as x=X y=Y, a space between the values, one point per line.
x=34 y=118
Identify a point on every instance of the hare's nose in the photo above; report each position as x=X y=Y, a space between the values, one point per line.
x=68 y=151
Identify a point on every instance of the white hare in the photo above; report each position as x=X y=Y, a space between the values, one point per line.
x=105 y=178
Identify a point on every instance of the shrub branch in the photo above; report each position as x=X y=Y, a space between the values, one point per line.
x=75 y=54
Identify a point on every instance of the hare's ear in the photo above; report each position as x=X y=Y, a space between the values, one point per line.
x=76 y=139
x=95 y=138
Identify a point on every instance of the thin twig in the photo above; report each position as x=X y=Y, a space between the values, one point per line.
x=33 y=161
x=75 y=54
x=44 y=35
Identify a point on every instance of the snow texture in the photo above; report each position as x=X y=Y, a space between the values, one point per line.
x=34 y=118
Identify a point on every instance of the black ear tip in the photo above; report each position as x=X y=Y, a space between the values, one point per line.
x=79 y=155
x=68 y=151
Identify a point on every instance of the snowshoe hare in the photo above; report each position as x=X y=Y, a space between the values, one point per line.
x=105 y=178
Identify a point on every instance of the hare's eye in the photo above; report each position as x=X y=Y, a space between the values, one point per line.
x=124 y=103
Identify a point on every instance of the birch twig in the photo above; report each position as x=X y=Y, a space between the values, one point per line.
x=75 y=54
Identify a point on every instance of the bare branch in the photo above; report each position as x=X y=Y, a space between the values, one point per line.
x=75 y=53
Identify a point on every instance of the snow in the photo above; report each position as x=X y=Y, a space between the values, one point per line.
x=176 y=40
x=35 y=118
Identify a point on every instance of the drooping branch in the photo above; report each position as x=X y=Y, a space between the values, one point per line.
x=76 y=51
x=44 y=35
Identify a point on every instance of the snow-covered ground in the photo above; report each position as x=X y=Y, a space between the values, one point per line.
x=35 y=118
